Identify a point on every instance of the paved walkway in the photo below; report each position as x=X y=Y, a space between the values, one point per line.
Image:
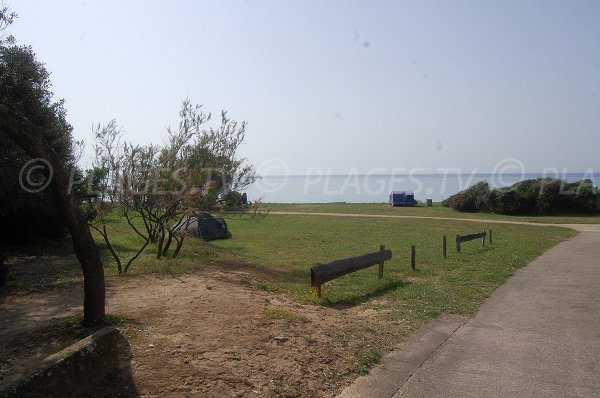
x=538 y=335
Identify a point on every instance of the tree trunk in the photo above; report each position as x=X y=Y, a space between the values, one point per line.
x=28 y=138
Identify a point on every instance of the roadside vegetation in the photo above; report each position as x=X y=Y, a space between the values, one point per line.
x=541 y=196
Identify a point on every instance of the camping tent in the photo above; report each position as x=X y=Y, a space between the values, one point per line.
x=204 y=226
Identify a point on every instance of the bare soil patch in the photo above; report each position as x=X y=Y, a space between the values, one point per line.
x=206 y=333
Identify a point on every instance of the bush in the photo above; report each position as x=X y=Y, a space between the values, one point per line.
x=538 y=196
x=472 y=199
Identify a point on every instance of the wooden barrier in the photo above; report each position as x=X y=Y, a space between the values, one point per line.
x=322 y=273
x=465 y=238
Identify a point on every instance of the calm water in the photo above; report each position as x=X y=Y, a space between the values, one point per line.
x=355 y=188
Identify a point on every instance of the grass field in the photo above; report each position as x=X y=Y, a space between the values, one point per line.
x=436 y=211
x=291 y=244
x=286 y=246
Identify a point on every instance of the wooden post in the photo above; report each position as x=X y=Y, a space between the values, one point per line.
x=381 y=248
x=483 y=239
x=413 y=254
x=458 y=243
x=444 y=246
x=490 y=236
x=318 y=287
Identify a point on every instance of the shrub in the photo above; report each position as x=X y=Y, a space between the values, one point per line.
x=474 y=198
x=537 y=196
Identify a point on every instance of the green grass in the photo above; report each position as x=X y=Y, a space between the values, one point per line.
x=282 y=313
x=74 y=324
x=371 y=356
x=291 y=244
x=127 y=243
x=436 y=211
x=77 y=320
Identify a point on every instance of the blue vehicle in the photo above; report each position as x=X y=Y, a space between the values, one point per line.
x=402 y=198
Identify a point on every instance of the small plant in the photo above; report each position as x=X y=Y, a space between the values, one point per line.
x=282 y=313
x=370 y=357
x=76 y=321
x=269 y=287
x=310 y=296
x=115 y=319
x=72 y=322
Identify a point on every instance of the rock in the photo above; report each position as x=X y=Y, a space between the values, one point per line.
x=280 y=338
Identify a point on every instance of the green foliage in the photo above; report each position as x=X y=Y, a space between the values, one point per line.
x=472 y=199
x=233 y=200
x=538 y=196
x=25 y=89
x=371 y=356
x=163 y=185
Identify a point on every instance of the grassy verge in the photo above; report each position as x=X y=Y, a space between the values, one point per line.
x=436 y=211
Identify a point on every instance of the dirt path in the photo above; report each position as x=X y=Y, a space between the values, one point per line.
x=206 y=333
x=577 y=227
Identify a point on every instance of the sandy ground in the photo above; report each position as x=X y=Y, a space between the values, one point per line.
x=206 y=333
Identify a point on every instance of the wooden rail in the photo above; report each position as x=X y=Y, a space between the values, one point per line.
x=465 y=238
x=322 y=273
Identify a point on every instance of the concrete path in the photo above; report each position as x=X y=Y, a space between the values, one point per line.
x=538 y=335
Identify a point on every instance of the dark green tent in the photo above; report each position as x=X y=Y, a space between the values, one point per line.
x=204 y=226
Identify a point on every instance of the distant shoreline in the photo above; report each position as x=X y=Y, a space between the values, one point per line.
x=434 y=175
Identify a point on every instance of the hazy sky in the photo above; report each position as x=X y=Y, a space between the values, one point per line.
x=339 y=85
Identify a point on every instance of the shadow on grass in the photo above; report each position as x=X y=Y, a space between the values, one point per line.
x=39 y=247
x=356 y=299
x=121 y=247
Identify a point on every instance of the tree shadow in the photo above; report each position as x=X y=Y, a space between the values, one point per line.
x=119 y=382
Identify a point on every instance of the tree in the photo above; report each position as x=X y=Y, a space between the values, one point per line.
x=25 y=89
x=159 y=185
x=28 y=138
x=38 y=126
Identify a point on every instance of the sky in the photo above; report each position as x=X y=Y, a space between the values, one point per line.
x=337 y=86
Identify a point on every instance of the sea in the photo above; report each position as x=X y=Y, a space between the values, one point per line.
x=375 y=188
